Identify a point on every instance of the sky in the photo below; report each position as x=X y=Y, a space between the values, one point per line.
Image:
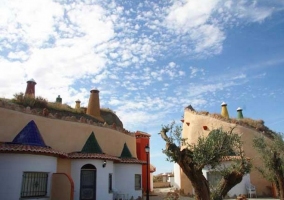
x=149 y=59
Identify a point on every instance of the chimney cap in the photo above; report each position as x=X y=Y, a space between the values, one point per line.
x=239 y=109
x=94 y=90
x=78 y=100
x=31 y=80
x=223 y=104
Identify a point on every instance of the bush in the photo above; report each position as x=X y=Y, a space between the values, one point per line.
x=63 y=107
x=21 y=99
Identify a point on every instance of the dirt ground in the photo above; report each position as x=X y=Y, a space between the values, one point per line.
x=161 y=193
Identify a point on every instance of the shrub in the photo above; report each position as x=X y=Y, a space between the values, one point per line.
x=21 y=99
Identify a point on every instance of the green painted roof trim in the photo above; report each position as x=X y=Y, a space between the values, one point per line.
x=125 y=152
x=92 y=145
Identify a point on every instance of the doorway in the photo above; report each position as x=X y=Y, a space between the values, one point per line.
x=88 y=182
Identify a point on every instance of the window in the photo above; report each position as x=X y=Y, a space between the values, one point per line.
x=34 y=184
x=109 y=183
x=137 y=181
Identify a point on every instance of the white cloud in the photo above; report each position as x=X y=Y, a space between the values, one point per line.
x=251 y=11
x=241 y=76
x=208 y=37
x=19 y=55
x=13 y=78
x=28 y=21
x=203 y=21
x=68 y=56
x=190 y=14
x=194 y=71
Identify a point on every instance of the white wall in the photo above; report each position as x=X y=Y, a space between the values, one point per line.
x=12 y=167
x=102 y=177
x=176 y=183
x=125 y=179
x=239 y=188
x=172 y=181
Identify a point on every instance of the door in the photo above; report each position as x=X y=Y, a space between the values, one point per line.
x=88 y=182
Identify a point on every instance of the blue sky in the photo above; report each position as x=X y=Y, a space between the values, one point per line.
x=149 y=59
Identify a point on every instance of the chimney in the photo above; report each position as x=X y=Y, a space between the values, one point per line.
x=94 y=105
x=77 y=106
x=240 y=113
x=30 y=90
x=59 y=100
x=224 y=111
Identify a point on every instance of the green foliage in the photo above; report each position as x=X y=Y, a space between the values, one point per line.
x=208 y=150
x=63 y=107
x=174 y=133
x=21 y=99
x=211 y=149
x=157 y=178
x=272 y=156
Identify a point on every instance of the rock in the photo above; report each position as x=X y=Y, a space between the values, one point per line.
x=28 y=109
x=57 y=116
x=82 y=120
x=45 y=112
x=17 y=108
x=73 y=118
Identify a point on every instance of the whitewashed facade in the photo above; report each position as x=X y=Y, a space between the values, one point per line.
x=12 y=167
x=125 y=177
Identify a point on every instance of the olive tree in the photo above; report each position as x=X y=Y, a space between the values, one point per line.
x=207 y=151
x=271 y=152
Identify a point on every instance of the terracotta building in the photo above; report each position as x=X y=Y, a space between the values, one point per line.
x=196 y=124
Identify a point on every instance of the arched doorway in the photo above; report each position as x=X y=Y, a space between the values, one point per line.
x=88 y=182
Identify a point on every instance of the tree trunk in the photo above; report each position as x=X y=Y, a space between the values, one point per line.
x=199 y=183
x=230 y=181
x=281 y=188
x=202 y=191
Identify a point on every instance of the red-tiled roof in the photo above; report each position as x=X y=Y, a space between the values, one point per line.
x=142 y=134
x=230 y=158
x=20 y=148
x=78 y=155
x=152 y=168
x=132 y=161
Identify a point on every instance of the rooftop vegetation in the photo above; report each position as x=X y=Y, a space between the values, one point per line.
x=246 y=122
x=39 y=103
